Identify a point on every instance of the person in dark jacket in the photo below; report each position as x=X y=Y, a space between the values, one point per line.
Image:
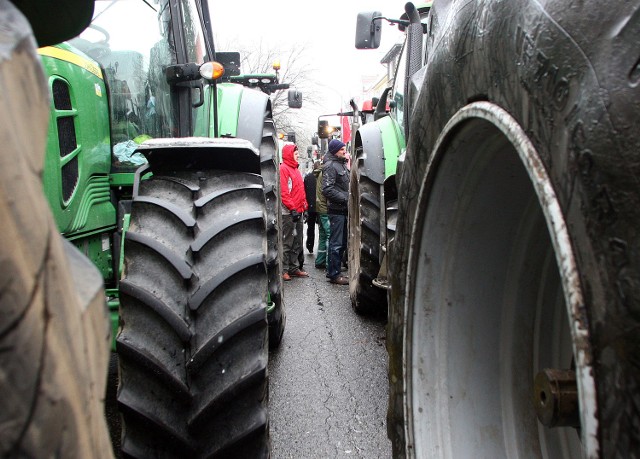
x=335 y=187
x=294 y=203
x=312 y=216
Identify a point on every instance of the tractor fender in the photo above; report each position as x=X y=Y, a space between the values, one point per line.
x=251 y=116
x=369 y=138
x=199 y=153
x=381 y=141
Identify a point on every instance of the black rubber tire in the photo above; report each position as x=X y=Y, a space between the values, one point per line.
x=364 y=243
x=54 y=327
x=566 y=80
x=270 y=171
x=193 y=345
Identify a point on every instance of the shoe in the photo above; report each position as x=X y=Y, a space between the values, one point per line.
x=321 y=266
x=310 y=246
x=286 y=277
x=299 y=273
x=340 y=280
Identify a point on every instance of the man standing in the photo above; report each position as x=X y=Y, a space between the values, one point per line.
x=335 y=187
x=294 y=203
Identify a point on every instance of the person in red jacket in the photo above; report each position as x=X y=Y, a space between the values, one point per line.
x=294 y=203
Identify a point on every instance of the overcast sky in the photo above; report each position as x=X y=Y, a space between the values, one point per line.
x=327 y=29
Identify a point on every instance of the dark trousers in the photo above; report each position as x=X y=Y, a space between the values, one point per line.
x=337 y=244
x=312 y=218
x=291 y=243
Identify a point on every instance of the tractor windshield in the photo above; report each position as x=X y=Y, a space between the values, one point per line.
x=134 y=42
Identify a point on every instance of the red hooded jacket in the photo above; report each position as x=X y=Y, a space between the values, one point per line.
x=291 y=184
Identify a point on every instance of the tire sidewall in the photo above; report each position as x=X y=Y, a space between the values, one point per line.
x=563 y=98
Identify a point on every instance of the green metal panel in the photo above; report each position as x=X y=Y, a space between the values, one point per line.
x=113 y=303
x=393 y=143
x=97 y=247
x=78 y=155
x=229 y=98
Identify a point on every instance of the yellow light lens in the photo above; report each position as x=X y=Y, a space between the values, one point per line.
x=276 y=65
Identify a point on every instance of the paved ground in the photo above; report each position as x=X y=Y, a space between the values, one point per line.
x=328 y=380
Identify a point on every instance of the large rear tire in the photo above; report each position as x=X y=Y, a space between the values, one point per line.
x=193 y=346
x=364 y=242
x=516 y=247
x=54 y=328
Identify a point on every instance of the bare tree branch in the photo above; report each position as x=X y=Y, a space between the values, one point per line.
x=298 y=71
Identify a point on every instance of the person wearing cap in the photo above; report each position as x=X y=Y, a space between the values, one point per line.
x=294 y=203
x=335 y=187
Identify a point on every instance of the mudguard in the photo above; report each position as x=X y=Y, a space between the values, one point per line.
x=199 y=153
x=251 y=116
x=370 y=138
x=381 y=141
x=241 y=113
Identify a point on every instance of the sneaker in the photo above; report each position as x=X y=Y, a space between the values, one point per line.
x=286 y=277
x=340 y=280
x=299 y=273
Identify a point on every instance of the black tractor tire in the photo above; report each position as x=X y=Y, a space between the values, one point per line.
x=193 y=345
x=54 y=327
x=270 y=171
x=517 y=245
x=364 y=243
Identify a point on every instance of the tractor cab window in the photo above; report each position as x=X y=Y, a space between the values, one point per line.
x=133 y=42
x=194 y=35
x=398 y=94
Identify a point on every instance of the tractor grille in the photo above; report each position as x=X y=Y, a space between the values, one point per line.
x=69 y=178
x=66 y=135
x=67 y=141
x=61 y=97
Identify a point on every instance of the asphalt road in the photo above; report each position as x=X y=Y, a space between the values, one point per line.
x=328 y=380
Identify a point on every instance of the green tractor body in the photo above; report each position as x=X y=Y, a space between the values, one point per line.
x=168 y=181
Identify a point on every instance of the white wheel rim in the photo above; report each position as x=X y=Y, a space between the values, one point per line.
x=460 y=347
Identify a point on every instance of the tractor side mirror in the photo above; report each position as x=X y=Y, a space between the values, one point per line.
x=368 y=30
x=295 y=98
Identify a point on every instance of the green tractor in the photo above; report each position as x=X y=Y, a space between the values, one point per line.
x=162 y=167
x=508 y=198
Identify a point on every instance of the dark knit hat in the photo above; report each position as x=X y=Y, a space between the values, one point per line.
x=334 y=146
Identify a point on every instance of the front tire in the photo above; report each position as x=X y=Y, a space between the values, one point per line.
x=364 y=242
x=193 y=344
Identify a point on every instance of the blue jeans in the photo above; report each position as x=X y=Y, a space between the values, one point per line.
x=337 y=244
